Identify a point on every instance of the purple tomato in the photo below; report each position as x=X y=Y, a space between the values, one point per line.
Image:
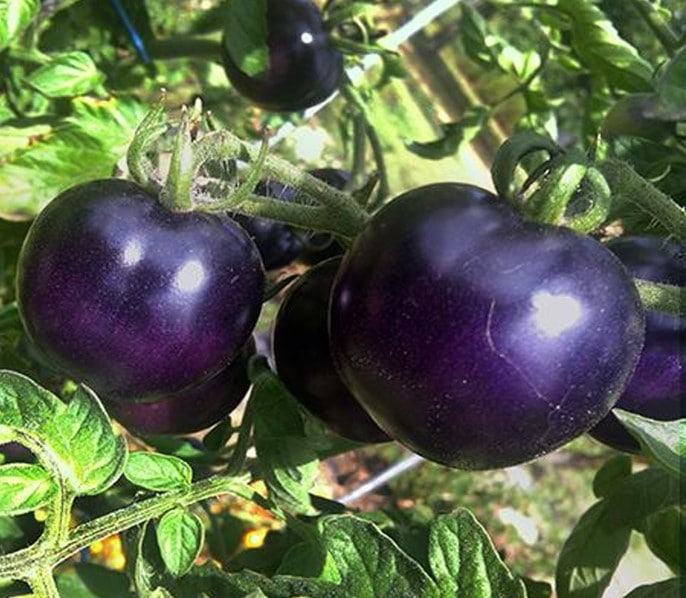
x=657 y=388
x=303 y=68
x=476 y=339
x=303 y=359
x=189 y=410
x=131 y=298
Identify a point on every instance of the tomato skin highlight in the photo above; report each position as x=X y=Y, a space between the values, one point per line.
x=303 y=358
x=190 y=410
x=131 y=298
x=478 y=340
x=657 y=388
x=304 y=69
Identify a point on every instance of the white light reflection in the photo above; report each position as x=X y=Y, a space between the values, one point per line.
x=190 y=277
x=133 y=252
x=554 y=314
x=306 y=37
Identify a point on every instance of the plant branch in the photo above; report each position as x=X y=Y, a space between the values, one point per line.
x=629 y=187
x=662 y=297
x=27 y=564
x=185 y=47
x=338 y=212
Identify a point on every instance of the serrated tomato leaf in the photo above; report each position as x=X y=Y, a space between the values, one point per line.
x=180 y=535
x=590 y=555
x=370 y=563
x=611 y=475
x=288 y=462
x=78 y=436
x=464 y=561
x=663 y=441
x=74 y=150
x=96 y=455
x=157 y=472
x=24 y=487
x=67 y=75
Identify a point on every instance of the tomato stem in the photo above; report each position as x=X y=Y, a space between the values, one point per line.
x=338 y=212
x=30 y=563
x=629 y=187
x=662 y=297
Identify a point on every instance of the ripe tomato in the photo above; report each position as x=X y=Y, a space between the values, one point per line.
x=304 y=69
x=656 y=389
x=303 y=359
x=189 y=410
x=131 y=298
x=477 y=339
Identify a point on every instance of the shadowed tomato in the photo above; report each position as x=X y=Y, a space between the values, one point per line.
x=189 y=410
x=303 y=68
x=656 y=389
x=131 y=298
x=303 y=360
x=477 y=339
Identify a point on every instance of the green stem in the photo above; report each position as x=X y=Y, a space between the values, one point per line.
x=43 y=584
x=26 y=564
x=664 y=33
x=355 y=100
x=338 y=213
x=185 y=47
x=629 y=187
x=359 y=153
x=662 y=297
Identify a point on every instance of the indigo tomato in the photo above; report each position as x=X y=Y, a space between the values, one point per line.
x=189 y=410
x=303 y=359
x=656 y=389
x=303 y=68
x=131 y=298
x=475 y=338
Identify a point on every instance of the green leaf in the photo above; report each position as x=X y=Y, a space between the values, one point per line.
x=464 y=561
x=611 y=474
x=157 y=472
x=144 y=565
x=180 y=535
x=670 y=588
x=590 y=555
x=24 y=487
x=210 y=581
x=84 y=450
x=218 y=436
x=665 y=442
x=480 y=44
x=245 y=36
x=454 y=135
x=96 y=455
x=287 y=461
x=88 y=580
x=77 y=149
x=664 y=533
x=670 y=101
x=370 y=563
x=642 y=494
x=67 y=75
x=537 y=589
x=599 y=46
x=15 y=16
